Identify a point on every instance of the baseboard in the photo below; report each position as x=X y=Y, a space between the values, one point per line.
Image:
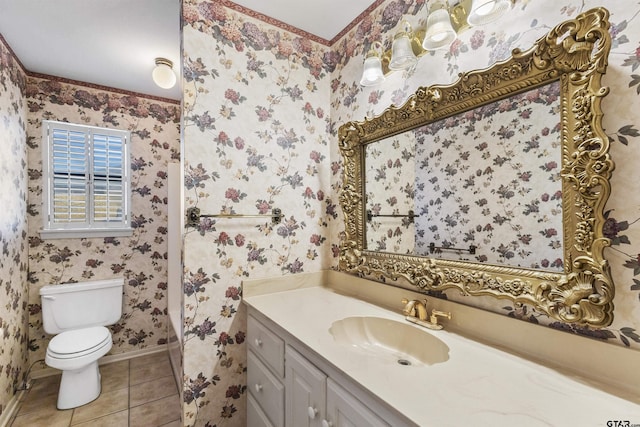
x=110 y=358
x=11 y=410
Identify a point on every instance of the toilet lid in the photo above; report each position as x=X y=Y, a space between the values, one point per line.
x=79 y=340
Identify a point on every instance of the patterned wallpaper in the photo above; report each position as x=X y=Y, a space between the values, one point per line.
x=490 y=179
x=13 y=226
x=390 y=180
x=255 y=128
x=141 y=258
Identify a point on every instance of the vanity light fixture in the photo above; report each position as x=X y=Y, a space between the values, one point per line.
x=372 y=73
x=163 y=74
x=402 y=56
x=485 y=11
x=440 y=33
x=444 y=24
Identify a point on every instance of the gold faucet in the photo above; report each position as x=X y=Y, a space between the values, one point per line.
x=415 y=308
x=415 y=311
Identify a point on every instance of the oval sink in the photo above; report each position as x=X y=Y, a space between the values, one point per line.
x=390 y=340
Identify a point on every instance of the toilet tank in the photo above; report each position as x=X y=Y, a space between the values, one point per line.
x=80 y=305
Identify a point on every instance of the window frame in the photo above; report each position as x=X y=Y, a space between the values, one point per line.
x=89 y=228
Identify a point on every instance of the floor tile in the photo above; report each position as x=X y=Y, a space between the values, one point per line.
x=156 y=368
x=34 y=401
x=49 y=417
x=46 y=385
x=152 y=390
x=119 y=419
x=156 y=413
x=108 y=403
x=150 y=400
x=141 y=361
x=115 y=376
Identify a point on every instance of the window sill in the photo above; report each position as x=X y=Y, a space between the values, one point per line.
x=86 y=233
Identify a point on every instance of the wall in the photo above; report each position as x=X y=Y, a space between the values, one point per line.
x=256 y=101
x=142 y=258
x=479 y=48
x=13 y=225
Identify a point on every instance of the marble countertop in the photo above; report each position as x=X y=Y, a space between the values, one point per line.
x=478 y=386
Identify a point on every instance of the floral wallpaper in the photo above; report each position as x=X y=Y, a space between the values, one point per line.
x=13 y=226
x=390 y=181
x=490 y=179
x=256 y=101
x=480 y=47
x=142 y=258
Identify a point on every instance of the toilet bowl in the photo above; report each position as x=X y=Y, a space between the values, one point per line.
x=77 y=313
x=76 y=353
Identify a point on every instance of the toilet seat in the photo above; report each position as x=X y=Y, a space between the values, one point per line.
x=79 y=342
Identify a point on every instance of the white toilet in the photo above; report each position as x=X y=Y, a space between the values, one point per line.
x=78 y=314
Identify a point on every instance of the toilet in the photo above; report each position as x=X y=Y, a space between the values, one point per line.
x=77 y=314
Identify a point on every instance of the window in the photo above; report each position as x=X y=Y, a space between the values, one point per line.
x=86 y=181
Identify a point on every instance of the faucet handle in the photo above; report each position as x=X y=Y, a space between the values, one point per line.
x=435 y=313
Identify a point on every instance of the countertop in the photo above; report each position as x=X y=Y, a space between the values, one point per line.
x=478 y=386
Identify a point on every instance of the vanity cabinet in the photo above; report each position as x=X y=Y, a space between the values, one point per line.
x=290 y=386
x=265 y=376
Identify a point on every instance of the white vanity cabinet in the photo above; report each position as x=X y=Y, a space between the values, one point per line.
x=291 y=386
x=265 y=373
x=314 y=400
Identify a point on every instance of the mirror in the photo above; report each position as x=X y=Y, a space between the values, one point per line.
x=420 y=206
x=482 y=185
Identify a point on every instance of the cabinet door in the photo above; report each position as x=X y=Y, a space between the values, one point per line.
x=344 y=410
x=305 y=391
x=255 y=416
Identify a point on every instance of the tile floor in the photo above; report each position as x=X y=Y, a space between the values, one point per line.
x=139 y=392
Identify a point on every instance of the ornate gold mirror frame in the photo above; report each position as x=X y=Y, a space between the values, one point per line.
x=575 y=54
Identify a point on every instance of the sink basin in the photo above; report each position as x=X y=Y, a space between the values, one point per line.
x=390 y=340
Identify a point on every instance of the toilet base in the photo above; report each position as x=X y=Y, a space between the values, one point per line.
x=79 y=387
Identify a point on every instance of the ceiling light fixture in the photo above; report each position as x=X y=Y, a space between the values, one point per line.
x=444 y=24
x=163 y=74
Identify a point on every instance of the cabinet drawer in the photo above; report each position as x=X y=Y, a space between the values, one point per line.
x=267 y=390
x=267 y=345
x=255 y=416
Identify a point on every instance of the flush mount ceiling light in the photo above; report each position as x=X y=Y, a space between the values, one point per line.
x=163 y=74
x=444 y=24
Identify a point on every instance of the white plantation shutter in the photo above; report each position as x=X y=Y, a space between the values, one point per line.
x=108 y=171
x=86 y=180
x=69 y=152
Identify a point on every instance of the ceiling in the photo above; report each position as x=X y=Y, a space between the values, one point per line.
x=114 y=42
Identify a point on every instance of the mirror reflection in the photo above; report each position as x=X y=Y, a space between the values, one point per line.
x=480 y=186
